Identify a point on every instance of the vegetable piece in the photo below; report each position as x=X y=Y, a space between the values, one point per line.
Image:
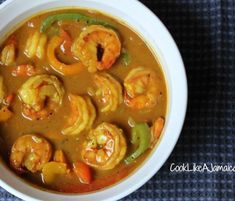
x=83 y=171
x=125 y=58
x=2 y=90
x=66 y=45
x=60 y=157
x=140 y=136
x=5 y=114
x=9 y=99
x=53 y=30
x=51 y=170
x=73 y=16
x=23 y=70
x=8 y=54
x=156 y=130
x=58 y=66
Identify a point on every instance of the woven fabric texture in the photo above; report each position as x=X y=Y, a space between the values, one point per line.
x=204 y=31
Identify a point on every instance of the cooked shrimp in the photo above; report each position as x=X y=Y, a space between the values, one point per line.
x=141 y=88
x=35 y=45
x=83 y=115
x=105 y=147
x=109 y=91
x=41 y=96
x=97 y=47
x=30 y=152
x=8 y=54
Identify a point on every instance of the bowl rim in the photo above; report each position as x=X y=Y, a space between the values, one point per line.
x=177 y=109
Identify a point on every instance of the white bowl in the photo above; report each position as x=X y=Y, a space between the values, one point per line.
x=156 y=35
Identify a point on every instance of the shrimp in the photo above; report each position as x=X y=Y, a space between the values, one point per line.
x=97 y=47
x=105 y=147
x=83 y=115
x=141 y=88
x=35 y=45
x=30 y=152
x=41 y=96
x=109 y=91
x=8 y=54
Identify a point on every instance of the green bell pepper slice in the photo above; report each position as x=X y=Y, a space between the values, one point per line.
x=140 y=136
x=48 y=21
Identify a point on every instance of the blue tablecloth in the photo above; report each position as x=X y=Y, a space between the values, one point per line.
x=205 y=33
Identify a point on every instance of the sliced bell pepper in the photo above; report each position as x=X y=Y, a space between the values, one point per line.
x=51 y=170
x=73 y=16
x=58 y=66
x=83 y=171
x=140 y=136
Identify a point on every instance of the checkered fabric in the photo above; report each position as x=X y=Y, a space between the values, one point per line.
x=204 y=31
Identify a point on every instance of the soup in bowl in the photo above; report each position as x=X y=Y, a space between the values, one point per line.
x=86 y=100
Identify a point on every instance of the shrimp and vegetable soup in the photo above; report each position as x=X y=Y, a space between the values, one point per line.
x=83 y=100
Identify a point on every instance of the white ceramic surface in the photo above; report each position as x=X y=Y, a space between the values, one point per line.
x=154 y=32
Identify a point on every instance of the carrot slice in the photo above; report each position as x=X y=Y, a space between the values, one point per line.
x=9 y=99
x=156 y=130
x=83 y=171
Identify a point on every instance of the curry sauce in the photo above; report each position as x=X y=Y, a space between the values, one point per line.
x=133 y=66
